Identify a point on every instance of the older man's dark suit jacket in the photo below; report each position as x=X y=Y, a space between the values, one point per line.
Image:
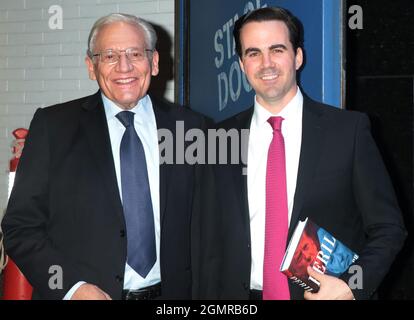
x=342 y=185
x=65 y=208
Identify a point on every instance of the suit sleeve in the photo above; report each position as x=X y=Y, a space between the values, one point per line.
x=27 y=219
x=381 y=216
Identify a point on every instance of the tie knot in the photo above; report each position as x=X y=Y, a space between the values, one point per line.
x=276 y=123
x=126 y=118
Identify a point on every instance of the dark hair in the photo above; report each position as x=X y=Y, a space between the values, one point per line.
x=293 y=24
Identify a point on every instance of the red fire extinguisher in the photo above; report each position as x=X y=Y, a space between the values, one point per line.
x=15 y=284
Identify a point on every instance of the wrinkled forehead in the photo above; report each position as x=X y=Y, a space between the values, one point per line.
x=119 y=35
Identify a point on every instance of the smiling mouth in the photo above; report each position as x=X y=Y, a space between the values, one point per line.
x=269 y=77
x=125 y=81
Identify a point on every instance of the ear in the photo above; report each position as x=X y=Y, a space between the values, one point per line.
x=298 y=58
x=91 y=68
x=241 y=65
x=154 y=63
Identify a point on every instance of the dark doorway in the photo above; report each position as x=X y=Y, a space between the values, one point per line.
x=380 y=73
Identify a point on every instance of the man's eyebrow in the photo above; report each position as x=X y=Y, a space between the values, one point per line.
x=248 y=50
x=278 y=46
x=272 y=47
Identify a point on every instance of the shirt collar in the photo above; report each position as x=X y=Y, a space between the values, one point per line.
x=142 y=108
x=261 y=115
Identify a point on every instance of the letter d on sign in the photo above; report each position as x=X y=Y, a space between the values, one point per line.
x=56 y=20
x=56 y=280
x=223 y=91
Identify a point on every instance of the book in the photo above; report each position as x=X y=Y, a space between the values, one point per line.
x=313 y=246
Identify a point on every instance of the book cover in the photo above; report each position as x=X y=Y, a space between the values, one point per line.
x=313 y=246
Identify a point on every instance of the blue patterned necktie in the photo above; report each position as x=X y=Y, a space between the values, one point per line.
x=136 y=199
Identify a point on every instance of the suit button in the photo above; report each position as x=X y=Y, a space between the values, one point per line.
x=122 y=233
x=245 y=286
x=119 y=278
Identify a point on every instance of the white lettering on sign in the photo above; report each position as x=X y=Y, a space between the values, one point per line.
x=230 y=79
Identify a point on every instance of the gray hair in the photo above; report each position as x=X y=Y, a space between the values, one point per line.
x=141 y=24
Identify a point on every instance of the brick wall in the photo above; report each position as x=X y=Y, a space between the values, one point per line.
x=40 y=66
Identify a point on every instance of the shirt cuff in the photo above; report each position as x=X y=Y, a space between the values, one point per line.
x=70 y=293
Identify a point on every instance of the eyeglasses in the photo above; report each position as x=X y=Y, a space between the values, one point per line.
x=111 y=56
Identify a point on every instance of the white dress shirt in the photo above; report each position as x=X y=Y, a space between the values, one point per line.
x=261 y=134
x=146 y=128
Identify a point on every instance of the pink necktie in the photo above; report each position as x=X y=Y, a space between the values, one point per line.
x=275 y=284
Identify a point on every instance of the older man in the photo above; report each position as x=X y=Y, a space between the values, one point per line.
x=93 y=214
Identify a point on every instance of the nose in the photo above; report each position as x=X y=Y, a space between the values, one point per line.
x=123 y=64
x=267 y=60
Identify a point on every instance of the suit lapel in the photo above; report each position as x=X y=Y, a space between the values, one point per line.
x=163 y=122
x=240 y=170
x=312 y=135
x=93 y=123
